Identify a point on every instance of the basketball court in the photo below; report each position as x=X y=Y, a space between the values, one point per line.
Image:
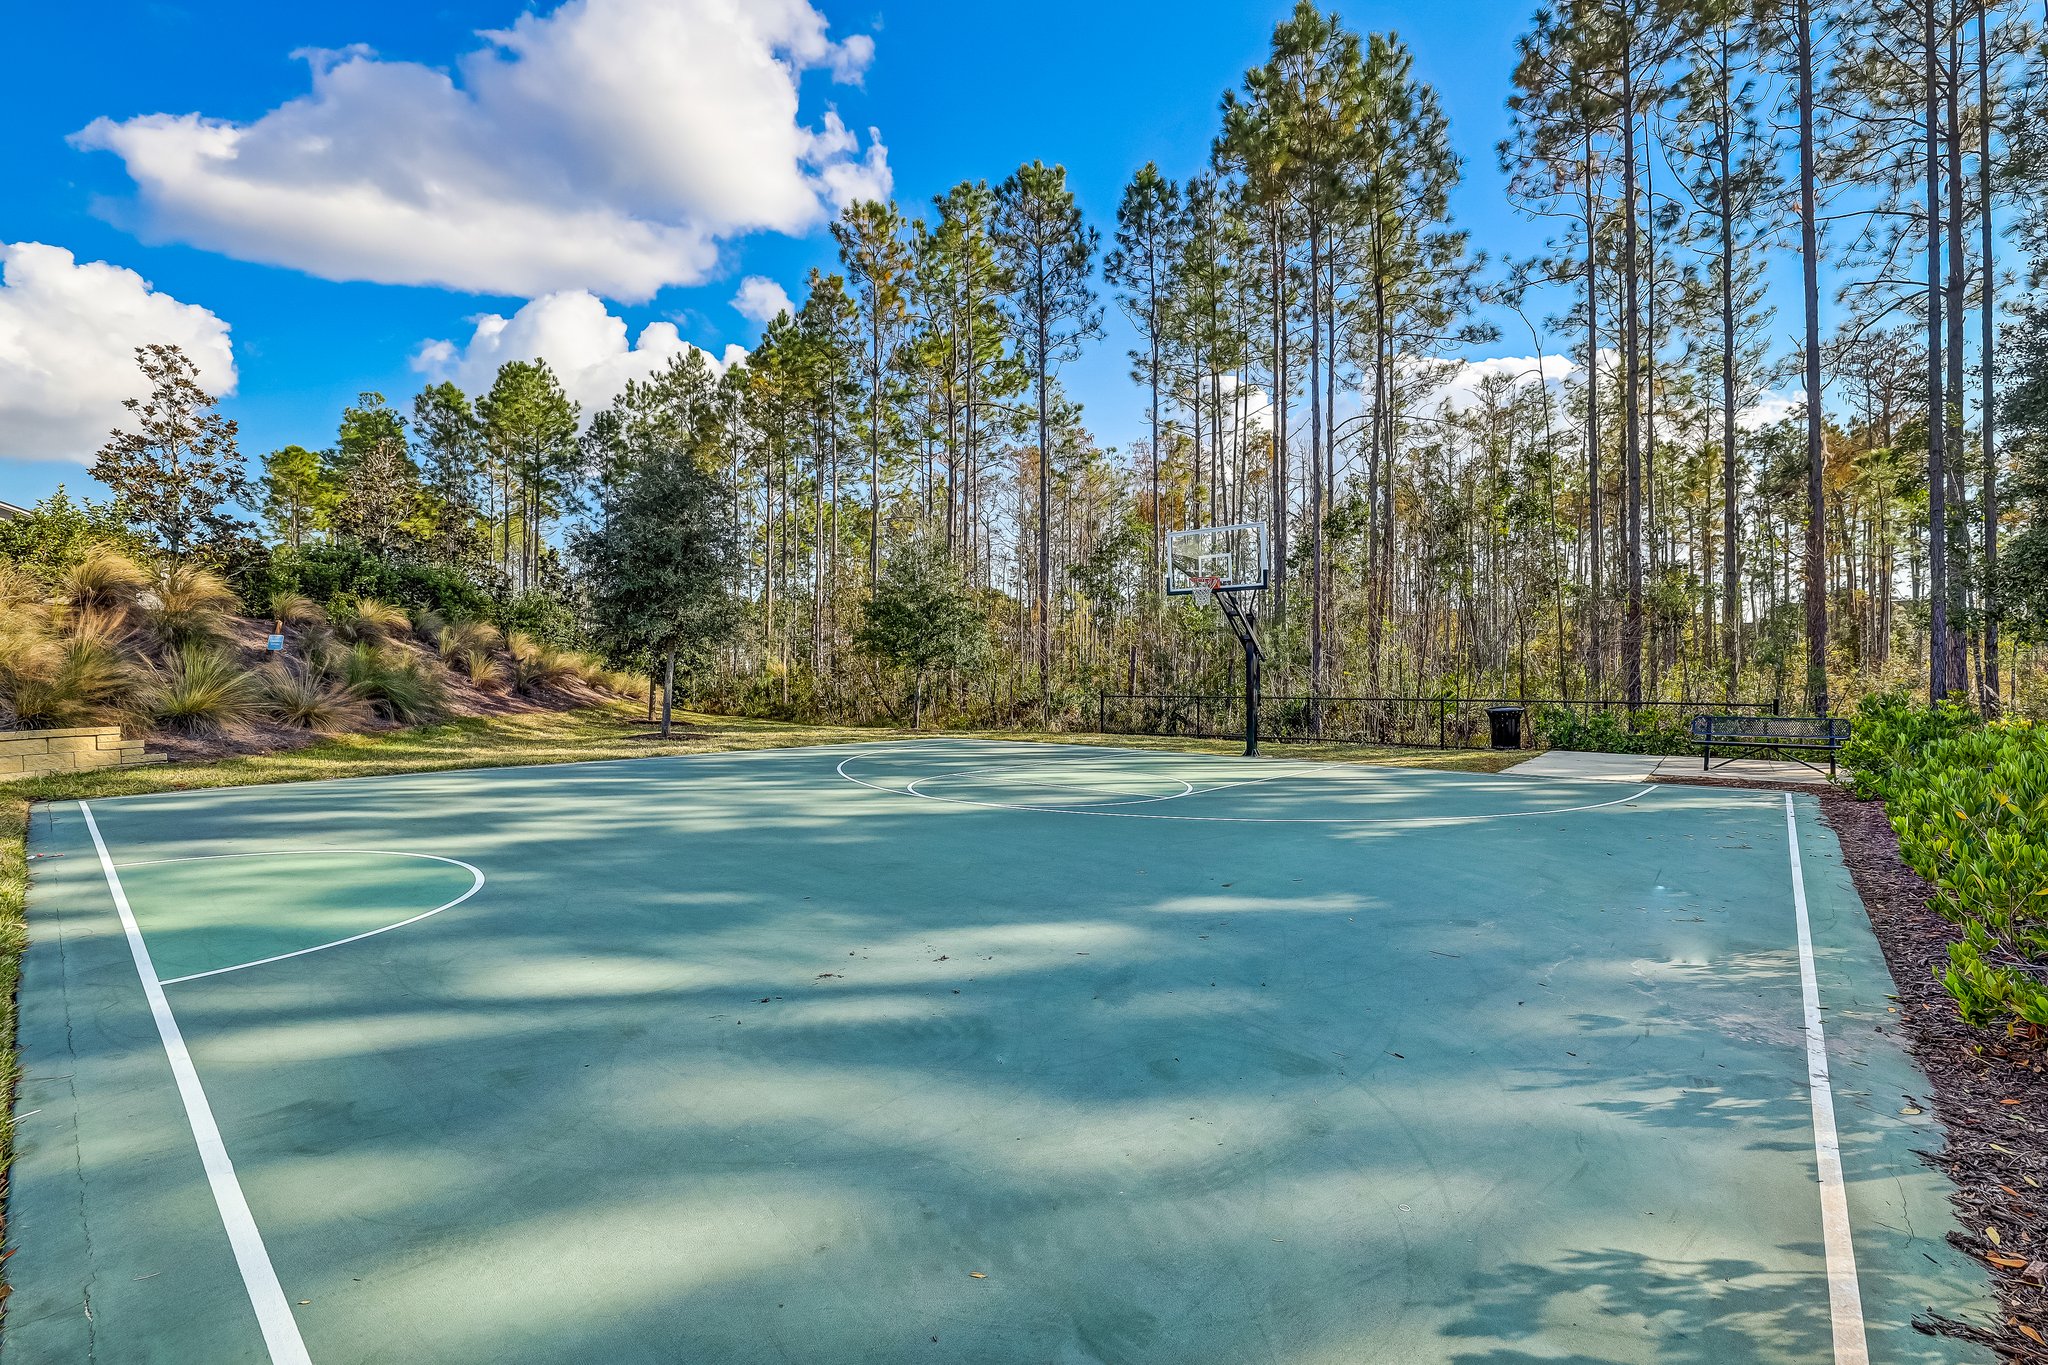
x=954 y=1050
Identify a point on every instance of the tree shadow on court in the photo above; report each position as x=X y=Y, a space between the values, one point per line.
x=647 y=1100
x=1677 y=1312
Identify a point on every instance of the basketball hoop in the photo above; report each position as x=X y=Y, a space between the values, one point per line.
x=1205 y=591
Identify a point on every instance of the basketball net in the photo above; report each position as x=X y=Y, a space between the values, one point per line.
x=1205 y=591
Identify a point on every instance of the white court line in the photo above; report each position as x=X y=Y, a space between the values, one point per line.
x=476 y=884
x=1845 y=1302
x=1186 y=789
x=259 y=1277
x=1221 y=819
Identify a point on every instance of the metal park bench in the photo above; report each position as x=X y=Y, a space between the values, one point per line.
x=1792 y=735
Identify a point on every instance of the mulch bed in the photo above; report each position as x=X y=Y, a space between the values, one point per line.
x=1990 y=1089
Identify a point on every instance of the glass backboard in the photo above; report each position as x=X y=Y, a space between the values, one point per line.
x=1234 y=556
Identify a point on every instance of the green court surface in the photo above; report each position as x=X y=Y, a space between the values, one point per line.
x=959 y=1051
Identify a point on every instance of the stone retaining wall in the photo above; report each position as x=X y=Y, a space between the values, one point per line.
x=25 y=753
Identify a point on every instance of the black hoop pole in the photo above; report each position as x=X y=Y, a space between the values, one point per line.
x=1243 y=626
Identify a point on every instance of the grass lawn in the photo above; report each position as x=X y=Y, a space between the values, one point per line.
x=616 y=731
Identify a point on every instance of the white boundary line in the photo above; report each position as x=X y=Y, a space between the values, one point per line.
x=1220 y=819
x=1845 y=1301
x=476 y=885
x=302 y=782
x=1186 y=788
x=259 y=1276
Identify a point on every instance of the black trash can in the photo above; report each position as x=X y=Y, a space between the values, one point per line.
x=1506 y=722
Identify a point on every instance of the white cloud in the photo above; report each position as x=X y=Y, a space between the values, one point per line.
x=1461 y=380
x=1770 y=409
x=586 y=347
x=609 y=145
x=68 y=334
x=761 y=299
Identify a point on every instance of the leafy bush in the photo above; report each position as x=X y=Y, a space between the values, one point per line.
x=1891 y=733
x=58 y=532
x=336 y=573
x=393 y=681
x=1652 y=730
x=542 y=616
x=200 y=690
x=1970 y=804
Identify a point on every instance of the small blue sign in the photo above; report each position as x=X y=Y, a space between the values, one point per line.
x=274 y=642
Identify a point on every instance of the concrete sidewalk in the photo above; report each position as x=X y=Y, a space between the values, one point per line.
x=1584 y=767
x=1565 y=763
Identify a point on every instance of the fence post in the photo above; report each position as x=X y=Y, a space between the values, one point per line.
x=1102 y=713
x=1443 y=712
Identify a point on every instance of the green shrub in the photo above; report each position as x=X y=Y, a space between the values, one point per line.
x=201 y=691
x=58 y=532
x=1652 y=730
x=541 y=615
x=335 y=573
x=1891 y=733
x=1970 y=804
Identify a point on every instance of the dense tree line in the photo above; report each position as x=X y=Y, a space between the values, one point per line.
x=1623 y=517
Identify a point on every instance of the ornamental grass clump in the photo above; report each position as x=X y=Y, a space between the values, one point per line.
x=468 y=648
x=187 y=605
x=537 y=667
x=199 y=690
x=401 y=687
x=105 y=580
x=59 y=666
x=1970 y=803
x=298 y=613
x=306 y=699
x=369 y=621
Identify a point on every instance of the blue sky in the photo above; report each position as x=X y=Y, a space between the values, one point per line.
x=953 y=92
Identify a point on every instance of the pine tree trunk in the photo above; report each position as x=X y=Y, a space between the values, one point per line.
x=1937 y=408
x=1987 y=362
x=1816 y=453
